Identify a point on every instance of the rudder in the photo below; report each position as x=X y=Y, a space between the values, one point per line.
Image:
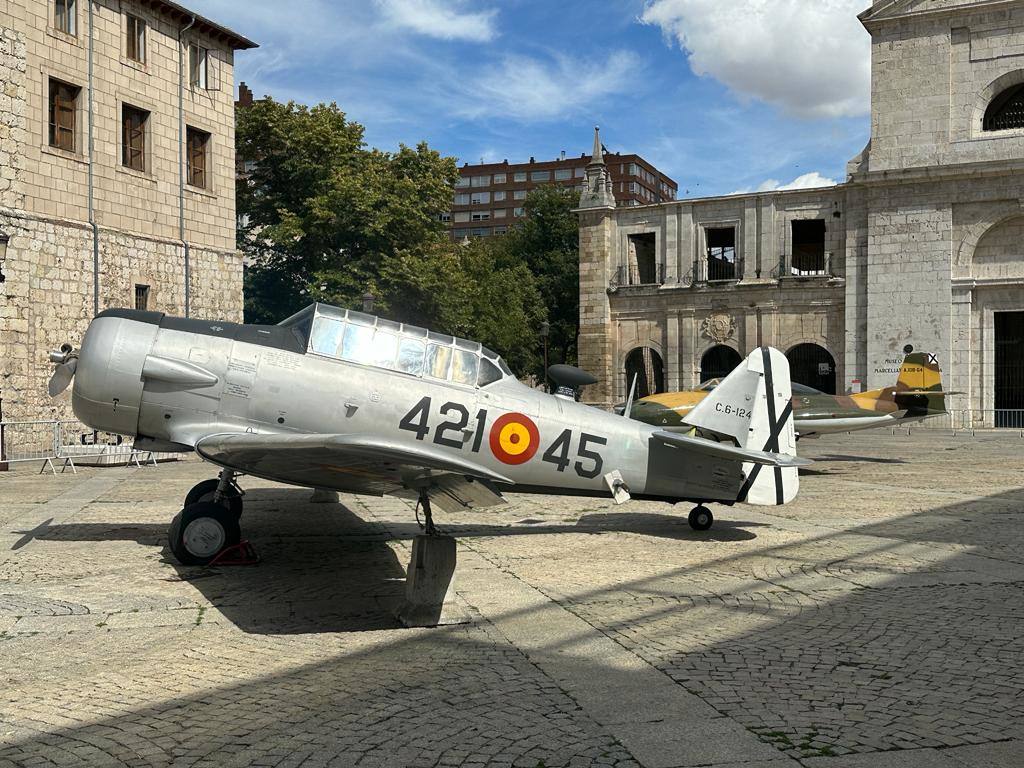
x=754 y=406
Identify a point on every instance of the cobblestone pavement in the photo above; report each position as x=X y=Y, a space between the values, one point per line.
x=874 y=622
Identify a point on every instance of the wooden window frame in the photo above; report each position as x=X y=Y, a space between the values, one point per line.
x=135 y=38
x=57 y=106
x=196 y=176
x=133 y=138
x=65 y=17
x=199 y=66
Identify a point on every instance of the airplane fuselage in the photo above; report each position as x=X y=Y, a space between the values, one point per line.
x=172 y=382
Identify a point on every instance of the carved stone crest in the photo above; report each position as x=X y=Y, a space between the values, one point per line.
x=718 y=327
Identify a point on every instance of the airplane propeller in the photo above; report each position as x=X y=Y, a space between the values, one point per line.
x=66 y=360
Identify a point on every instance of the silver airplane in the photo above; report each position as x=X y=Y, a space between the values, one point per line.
x=342 y=400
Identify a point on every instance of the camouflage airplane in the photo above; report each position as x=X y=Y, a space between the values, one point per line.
x=917 y=395
x=343 y=400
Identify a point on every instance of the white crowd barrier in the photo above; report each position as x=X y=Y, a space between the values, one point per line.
x=68 y=443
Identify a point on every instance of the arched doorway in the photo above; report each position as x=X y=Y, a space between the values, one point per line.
x=646 y=365
x=718 y=362
x=813 y=366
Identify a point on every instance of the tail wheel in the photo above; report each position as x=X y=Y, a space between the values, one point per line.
x=201 y=531
x=204 y=492
x=701 y=518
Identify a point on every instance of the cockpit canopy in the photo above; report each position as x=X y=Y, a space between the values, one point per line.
x=357 y=337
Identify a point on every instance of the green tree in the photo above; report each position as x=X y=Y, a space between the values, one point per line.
x=316 y=202
x=327 y=218
x=471 y=290
x=547 y=242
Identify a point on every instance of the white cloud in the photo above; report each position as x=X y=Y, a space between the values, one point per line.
x=810 y=180
x=812 y=59
x=439 y=19
x=527 y=88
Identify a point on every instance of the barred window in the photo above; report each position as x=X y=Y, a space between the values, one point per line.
x=1006 y=110
x=141 y=296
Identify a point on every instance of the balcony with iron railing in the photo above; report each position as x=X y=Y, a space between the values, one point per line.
x=802 y=266
x=649 y=274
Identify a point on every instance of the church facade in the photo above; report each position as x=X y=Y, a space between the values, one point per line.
x=921 y=247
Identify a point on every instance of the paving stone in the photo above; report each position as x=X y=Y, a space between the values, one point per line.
x=866 y=624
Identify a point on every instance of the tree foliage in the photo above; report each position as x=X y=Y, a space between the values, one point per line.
x=547 y=242
x=326 y=219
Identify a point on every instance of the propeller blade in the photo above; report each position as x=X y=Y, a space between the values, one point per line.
x=62 y=377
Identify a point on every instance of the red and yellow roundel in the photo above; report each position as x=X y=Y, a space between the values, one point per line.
x=514 y=438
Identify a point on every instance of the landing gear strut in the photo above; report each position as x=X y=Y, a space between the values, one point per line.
x=428 y=518
x=701 y=518
x=221 y=490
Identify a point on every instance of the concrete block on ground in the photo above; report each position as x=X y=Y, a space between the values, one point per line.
x=324 y=496
x=429 y=592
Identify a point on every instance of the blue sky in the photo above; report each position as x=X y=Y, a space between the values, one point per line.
x=723 y=95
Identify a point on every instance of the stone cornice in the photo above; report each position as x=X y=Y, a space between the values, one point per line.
x=950 y=172
x=874 y=18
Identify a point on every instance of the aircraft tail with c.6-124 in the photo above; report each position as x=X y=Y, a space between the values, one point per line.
x=337 y=399
x=916 y=395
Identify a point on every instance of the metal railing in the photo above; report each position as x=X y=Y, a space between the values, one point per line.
x=66 y=442
x=648 y=274
x=969 y=420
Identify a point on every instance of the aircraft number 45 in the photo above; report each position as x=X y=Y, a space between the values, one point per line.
x=454 y=432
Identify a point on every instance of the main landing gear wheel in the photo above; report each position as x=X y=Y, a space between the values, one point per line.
x=701 y=518
x=201 y=531
x=206 y=492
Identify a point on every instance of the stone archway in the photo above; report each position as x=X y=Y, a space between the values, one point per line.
x=646 y=365
x=717 y=362
x=812 y=365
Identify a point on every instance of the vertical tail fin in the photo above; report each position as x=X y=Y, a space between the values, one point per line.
x=919 y=385
x=753 y=405
x=919 y=371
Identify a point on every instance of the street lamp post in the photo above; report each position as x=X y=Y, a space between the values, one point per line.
x=368 y=299
x=545 y=329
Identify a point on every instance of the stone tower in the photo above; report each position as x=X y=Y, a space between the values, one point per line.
x=597 y=238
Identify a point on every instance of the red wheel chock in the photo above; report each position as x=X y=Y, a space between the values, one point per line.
x=242 y=553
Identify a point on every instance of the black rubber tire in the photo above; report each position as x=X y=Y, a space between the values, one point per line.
x=203 y=492
x=219 y=520
x=701 y=518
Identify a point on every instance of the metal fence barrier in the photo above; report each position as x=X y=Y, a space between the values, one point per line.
x=970 y=420
x=68 y=442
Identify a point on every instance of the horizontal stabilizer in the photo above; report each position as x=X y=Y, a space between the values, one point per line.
x=730 y=452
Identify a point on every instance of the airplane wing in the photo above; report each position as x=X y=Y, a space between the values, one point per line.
x=357 y=464
x=729 y=452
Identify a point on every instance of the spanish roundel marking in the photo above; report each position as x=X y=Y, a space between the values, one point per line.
x=514 y=438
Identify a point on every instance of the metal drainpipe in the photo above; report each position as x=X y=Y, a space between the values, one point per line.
x=92 y=207
x=181 y=165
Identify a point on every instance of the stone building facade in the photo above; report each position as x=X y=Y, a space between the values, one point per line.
x=921 y=245
x=116 y=152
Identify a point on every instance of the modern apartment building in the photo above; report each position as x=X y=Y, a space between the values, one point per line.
x=117 y=168
x=489 y=197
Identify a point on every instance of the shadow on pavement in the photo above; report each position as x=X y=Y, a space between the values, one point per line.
x=325 y=569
